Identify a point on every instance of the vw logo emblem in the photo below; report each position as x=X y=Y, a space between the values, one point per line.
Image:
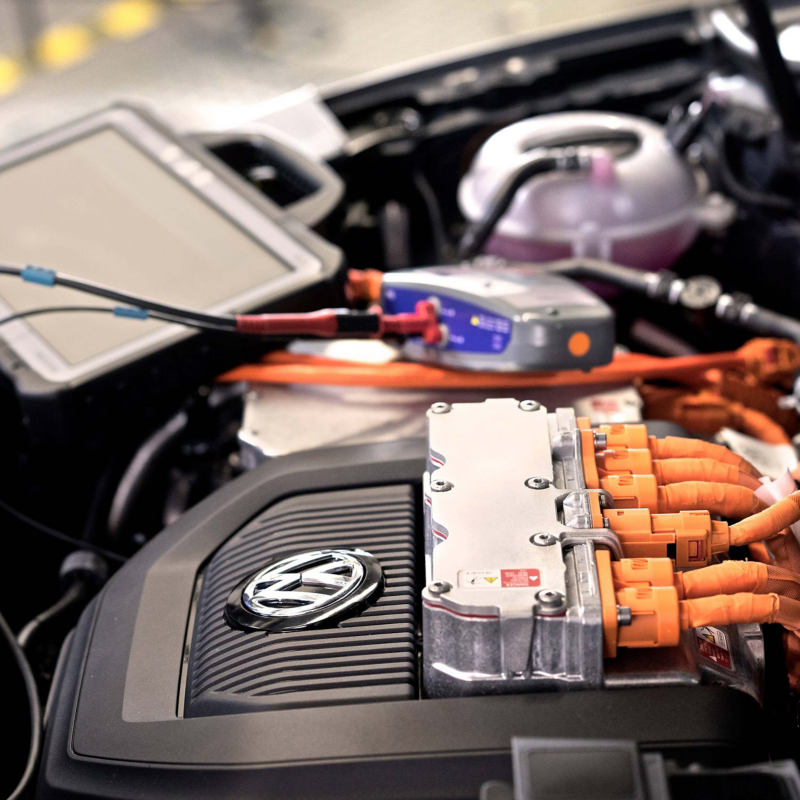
x=305 y=590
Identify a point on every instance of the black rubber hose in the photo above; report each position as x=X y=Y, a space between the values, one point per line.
x=34 y=705
x=715 y=157
x=74 y=596
x=628 y=278
x=540 y=161
x=138 y=470
x=782 y=85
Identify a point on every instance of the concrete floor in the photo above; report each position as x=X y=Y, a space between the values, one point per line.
x=205 y=64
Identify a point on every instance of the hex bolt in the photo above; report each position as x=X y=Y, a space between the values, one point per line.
x=441 y=408
x=441 y=486
x=543 y=539
x=529 y=405
x=439 y=587
x=550 y=600
x=537 y=483
x=600 y=441
x=624 y=615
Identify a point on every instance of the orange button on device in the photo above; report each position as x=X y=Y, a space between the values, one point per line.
x=579 y=344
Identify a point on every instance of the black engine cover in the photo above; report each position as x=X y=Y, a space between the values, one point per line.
x=367 y=658
x=119 y=728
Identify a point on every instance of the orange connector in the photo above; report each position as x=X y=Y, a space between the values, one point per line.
x=633 y=461
x=632 y=491
x=688 y=538
x=638 y=616
x=727 y=577
x=642 y=491
x=634 y=437
x=625 y=436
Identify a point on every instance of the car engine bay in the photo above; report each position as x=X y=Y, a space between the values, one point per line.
x=459 y=463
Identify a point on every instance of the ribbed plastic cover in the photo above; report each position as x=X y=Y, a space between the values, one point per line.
x=367 y=658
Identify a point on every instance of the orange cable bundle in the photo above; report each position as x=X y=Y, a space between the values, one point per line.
x=678 y=447
x=729 y=577
x=707 y=412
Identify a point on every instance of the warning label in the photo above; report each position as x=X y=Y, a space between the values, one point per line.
x=516 y=578
x=713 y=645
x=498 y=578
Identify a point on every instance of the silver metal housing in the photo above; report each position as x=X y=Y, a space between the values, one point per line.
x=512 y=601
x=519 y=613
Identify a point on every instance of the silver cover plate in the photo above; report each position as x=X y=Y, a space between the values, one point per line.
x=516 y=613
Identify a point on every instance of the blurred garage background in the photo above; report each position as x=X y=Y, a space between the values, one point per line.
x=209 y=64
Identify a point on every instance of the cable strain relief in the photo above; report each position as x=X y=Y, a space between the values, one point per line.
x=40 y=275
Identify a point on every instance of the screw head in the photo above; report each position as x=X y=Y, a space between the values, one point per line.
x=600 y=441
x=439 y=587
x=543 y=539
x=439 y=485
x=550 y=601
x=440 y=408
x=537 y=483
x=529 y=405
x=624 y=615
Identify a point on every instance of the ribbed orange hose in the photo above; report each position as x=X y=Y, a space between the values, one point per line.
x=786 y=550
x=783 y=582
x=730 y=609
x=729 y=577
x=678 y=447
x=733 y=502
x=675 y=470
x=767 y=523
x=788 y=613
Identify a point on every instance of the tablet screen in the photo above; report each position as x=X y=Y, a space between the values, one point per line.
x=102 y=209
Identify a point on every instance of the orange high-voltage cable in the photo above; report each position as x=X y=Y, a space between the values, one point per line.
x=672 y=470
x=732 y=577
x=736 y=609
x=283 y=368
x=769 y=522
x=677 y=470
x=642 y=491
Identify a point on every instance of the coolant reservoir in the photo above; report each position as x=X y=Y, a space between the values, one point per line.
x=641 y=204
